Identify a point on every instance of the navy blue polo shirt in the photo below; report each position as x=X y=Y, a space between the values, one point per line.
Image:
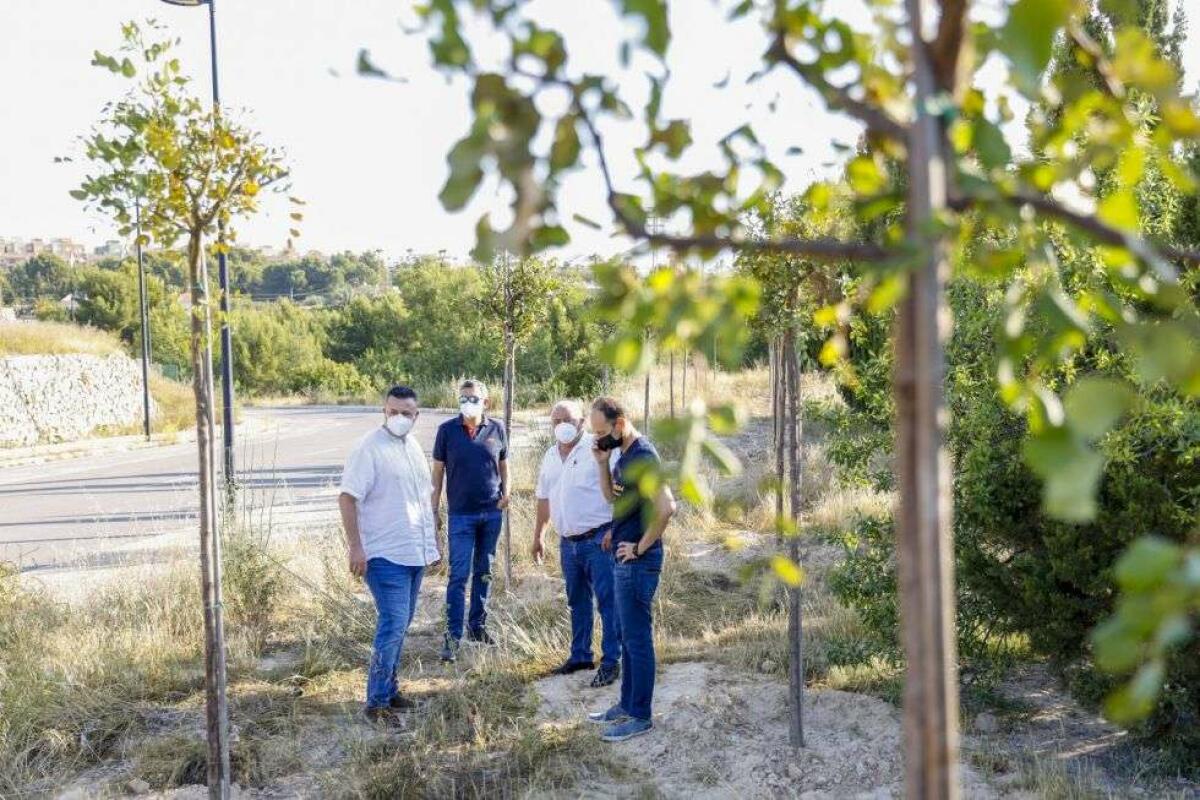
x=472 y=463
x=632 y=513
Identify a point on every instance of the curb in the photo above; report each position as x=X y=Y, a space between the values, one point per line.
x=61 y=451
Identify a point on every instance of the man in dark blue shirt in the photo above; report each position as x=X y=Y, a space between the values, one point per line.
x=642 y=507
x=471 y=453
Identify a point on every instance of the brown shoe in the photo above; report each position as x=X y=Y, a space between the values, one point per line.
x=401 y=703
x=379 y=714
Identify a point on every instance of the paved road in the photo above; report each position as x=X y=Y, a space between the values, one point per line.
x=123 y=506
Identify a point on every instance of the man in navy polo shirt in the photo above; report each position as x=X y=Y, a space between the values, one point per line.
x=638 y=525
x=471 y=453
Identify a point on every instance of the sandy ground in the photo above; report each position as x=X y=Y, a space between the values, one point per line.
x=722 y=734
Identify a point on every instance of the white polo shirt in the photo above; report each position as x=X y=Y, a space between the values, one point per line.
x=390 y=479
x=572 y=485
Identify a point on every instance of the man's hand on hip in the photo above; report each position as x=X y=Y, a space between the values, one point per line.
x=626 y=552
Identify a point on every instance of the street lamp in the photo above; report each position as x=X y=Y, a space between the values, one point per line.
x=222 y=272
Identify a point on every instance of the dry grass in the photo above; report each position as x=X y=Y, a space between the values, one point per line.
x=118 y=680
x=29 y=337
x=175 y=406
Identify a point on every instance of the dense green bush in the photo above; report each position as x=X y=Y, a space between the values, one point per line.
x=348 y=335
x=1019 y=571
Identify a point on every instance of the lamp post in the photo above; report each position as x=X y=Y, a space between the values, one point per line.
x=143 y=307
x=222 y=275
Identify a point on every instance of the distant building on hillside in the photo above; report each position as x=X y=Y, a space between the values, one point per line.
x=15 y=250
x=110 y=249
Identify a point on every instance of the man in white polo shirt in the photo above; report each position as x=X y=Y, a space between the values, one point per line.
x=569 y=497
x=390 y=536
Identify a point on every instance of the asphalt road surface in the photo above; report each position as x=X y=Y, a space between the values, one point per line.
x=122 y=506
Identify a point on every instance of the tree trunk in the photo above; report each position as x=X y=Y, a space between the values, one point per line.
x=671 y=382
x=510 y=375
x=216 y=709
x=646 y=401
x=683 y=380
x=923 y=523
x=795 y=620
x=778 y=398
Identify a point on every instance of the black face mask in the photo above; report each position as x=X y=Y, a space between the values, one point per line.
x=607 y=442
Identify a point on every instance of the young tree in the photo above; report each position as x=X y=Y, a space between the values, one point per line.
x=190 y=169
x=933 y=147
x=517 y=294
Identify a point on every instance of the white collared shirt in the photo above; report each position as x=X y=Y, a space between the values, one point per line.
x=572 y=485
x=389 y=478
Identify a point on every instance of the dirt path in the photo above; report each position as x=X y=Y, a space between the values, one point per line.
x=722 y=734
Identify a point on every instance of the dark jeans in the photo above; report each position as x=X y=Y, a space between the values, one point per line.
x=395 y=589
x=587 y=570
x=473 y=540
x=635 y=583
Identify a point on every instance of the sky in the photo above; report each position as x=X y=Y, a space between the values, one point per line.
x=368 y=156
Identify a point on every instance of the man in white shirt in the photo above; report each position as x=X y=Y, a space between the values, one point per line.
x=569 y=497
x=390 y=535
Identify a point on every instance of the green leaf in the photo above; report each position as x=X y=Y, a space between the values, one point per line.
x=674 y=138
x=654 y=14
x=465 y=173
x=864 y=175
x=582 y=220
x=1094 y=405
x=366 y=67
x=724 y=420
x=1070 y=472
x=1119 y=210
x=1136 y=699
x=1117 y=647
x=726 y=460
x=127 y=68
x=887 y=293
x=548 y=236
x=787 y=571
x=1146 y=564
x=1028 y=38
x=1165 y=350
x=990 y=144
x=564 y=152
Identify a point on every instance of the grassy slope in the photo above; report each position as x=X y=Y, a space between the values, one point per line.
x=27 y=337
x=55 y=338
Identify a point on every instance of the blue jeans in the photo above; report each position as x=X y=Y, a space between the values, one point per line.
x=588 y=570
x=473 y=540
x=635 y=583
x=395 y=589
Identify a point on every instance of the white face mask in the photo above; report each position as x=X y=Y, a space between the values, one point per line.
x=565 y=432
x=398 y=425
x=471 y=410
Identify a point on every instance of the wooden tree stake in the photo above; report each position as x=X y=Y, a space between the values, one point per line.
x=216 y=708
x=795 y=431
x=923 y=523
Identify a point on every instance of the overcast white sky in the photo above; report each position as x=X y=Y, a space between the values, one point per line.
x=367 y=155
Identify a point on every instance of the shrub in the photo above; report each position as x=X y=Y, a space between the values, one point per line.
x=1020 y=572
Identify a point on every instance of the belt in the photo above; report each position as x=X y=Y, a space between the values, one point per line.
x=589 y=534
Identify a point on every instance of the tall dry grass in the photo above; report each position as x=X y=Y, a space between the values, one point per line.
x=31 y=337
x=118 y=677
